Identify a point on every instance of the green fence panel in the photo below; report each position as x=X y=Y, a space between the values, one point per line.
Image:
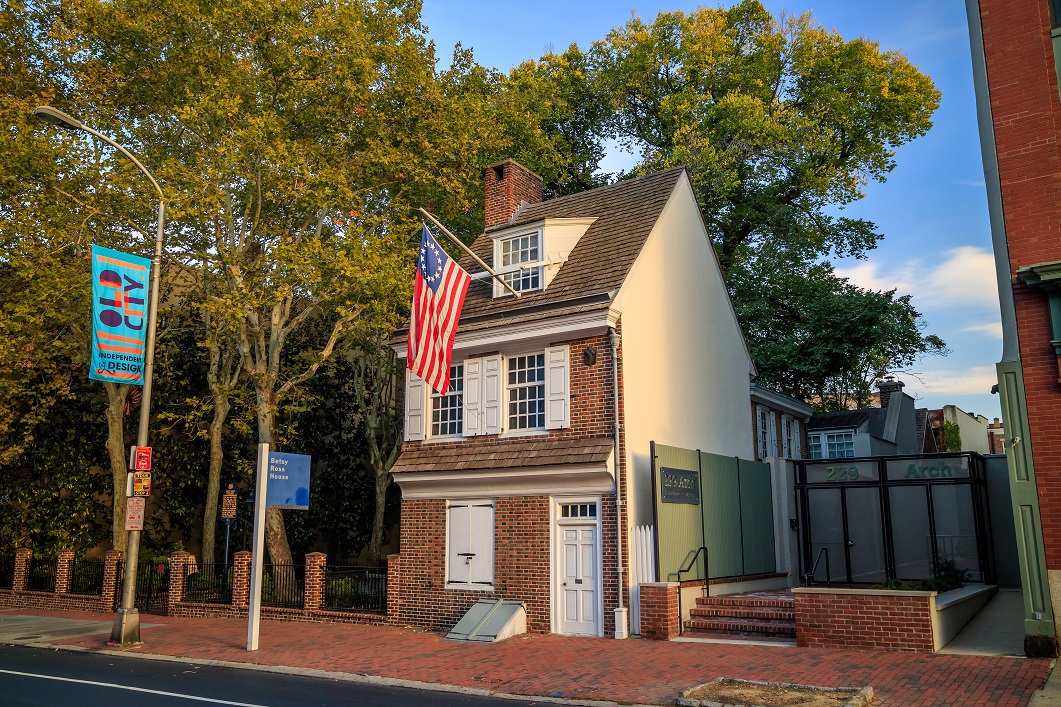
x=757 y=518
x=679 y=530
x=720 y=504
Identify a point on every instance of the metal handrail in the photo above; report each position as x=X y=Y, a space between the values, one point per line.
x=707 y=584
x=808 y=578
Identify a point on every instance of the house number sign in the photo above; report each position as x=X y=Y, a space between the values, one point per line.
x=680 y=486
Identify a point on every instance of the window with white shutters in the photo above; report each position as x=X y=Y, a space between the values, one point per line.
x=763 y=425
x=470 y=545
x=482 y=396
x=526 y=392
x=786 y=439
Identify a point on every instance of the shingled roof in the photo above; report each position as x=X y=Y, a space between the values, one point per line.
x=506 y=454
x=625 y=213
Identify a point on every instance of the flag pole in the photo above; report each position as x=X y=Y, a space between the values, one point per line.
x=468 y=250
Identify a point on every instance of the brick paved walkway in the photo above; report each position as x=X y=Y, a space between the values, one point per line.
x=590 y=668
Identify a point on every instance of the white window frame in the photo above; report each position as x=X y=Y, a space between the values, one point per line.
x=822 y=440
x=789 y=431
x=766 y=440
x=491 y=536
x=510 y=387
x=510 y=273
x=458 y=395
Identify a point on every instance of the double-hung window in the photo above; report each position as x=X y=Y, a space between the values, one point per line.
x=521 y=262
x=526 y=392
x=447 y=411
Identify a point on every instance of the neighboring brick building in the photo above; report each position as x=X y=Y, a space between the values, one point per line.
x=511 y=485
x=1016 y=49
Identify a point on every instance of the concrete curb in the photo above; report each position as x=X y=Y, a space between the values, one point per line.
x=358 y=678
x=863 y=698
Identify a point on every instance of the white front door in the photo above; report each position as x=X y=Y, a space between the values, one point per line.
x=578 y=578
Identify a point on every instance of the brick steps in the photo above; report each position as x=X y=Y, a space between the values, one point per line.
x=736 y=612
x=756 y=627
x=744 y=616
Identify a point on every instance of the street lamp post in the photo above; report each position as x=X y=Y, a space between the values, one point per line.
x=127 y=621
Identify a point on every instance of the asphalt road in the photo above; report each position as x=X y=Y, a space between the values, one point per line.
x=36 y=677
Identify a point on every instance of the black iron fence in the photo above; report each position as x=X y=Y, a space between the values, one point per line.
x=348 y=588
x=7 y=572
x=86 y=577
x=210 y=583
x=283 y=585
x=152 y=586
x=40 y=577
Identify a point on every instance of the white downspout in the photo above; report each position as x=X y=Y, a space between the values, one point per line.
x=621 y=624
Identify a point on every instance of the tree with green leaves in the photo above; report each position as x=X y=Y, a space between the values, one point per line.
x=819 y=338
x=781 y=123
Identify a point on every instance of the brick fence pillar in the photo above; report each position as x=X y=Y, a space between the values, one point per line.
x=23 y=555
x=111 y=581
x=178 y=564
x=241 y=578
x=64 y=567
x=659 y=611
x=313 y=593
x=393 y=587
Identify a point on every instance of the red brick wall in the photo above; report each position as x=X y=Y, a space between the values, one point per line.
x=507 y=184
x=424 y=601
x=890 y=621
x=60 y=599
x=1027 y=112
x=660 y=619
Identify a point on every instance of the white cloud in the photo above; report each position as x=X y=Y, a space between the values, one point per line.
x=977 y=379
x=965 y=278
x=992 y=329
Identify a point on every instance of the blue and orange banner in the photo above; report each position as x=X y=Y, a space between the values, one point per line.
x=119 y=315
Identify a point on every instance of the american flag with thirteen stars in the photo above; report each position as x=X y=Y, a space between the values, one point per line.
x=438 y=297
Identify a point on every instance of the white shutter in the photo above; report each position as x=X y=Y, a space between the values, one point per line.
x=415 y=402
x=473 y=392
x=492 y=387
x=773 y=434
x=459 y=544
x=482 y=543
x=557 y=388
x=760 y=423
x=796 y=453
x=786 y=436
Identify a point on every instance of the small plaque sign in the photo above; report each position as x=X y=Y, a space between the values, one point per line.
x=228 y=504
x=141 y=483
x=134 y=513
x=680 y=486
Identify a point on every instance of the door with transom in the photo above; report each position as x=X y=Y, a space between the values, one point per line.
x=578 y=569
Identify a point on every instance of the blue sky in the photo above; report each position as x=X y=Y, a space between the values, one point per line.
x=933 y=208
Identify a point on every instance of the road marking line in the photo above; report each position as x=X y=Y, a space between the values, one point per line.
x=133 y=689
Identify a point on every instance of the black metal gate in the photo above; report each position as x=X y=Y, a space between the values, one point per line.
x=152 y=587
x=877 y=518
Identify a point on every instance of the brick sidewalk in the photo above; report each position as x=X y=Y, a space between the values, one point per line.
x=588 y=668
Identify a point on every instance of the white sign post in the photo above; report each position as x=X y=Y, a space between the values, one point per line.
x=254 y=613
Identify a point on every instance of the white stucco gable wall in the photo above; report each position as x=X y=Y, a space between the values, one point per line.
x=685 y=363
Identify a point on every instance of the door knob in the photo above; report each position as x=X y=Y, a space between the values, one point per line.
x=850 y=543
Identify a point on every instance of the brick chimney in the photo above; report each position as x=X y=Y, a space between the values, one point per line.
x=888 y=386
x=508 y=184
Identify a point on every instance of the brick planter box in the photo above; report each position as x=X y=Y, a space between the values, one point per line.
x=884 y=619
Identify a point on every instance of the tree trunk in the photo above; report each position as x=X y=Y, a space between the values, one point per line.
x=213 y=482
x=275 y=534
x=375 y=542
x=116 y=395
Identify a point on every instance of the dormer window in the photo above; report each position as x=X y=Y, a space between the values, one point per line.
x=521 y=262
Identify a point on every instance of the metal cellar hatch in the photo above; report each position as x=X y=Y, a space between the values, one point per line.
x=490 y=620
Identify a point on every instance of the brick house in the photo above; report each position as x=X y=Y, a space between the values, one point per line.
x=624 y=334
x=1016 y=50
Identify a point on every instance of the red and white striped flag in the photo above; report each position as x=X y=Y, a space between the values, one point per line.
x=438 y=297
